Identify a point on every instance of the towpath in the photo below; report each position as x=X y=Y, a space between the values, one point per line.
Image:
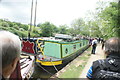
x=99 y=55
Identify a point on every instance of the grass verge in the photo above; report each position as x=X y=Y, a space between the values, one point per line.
x=75 y=68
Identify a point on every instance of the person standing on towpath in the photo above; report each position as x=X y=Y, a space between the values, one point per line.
x=94 y=45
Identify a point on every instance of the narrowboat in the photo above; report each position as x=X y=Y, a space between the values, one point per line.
x=57 y=51
x=24 y=68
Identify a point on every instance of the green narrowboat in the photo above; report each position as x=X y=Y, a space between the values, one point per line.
x=57 y=53
x=53 y=52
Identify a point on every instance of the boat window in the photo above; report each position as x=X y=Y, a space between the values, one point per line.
x=74 y=46
x=66 y=50
x=83 y=43
x=80 y=44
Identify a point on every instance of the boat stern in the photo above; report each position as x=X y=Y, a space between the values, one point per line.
x=48 y=61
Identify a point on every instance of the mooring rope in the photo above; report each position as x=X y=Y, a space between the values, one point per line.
x=48 y=72
x=54 y=66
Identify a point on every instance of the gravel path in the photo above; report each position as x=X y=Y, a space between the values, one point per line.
x=99 y=55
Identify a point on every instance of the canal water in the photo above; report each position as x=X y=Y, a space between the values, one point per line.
x=45 y=71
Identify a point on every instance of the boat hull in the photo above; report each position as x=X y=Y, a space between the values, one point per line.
x=49 y=63
x=64 y=60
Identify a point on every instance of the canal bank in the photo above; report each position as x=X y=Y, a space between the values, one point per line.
x=74 y=68
x=78 y=67
x=99 y=55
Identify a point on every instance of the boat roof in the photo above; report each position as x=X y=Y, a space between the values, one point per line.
x=63 y=36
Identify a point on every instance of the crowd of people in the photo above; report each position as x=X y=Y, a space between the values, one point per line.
x=107 y=69
x=94 y=41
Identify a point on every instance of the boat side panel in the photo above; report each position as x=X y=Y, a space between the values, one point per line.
x=68 y=49
x=78 y=46
x=29 y=46
x=52 y=49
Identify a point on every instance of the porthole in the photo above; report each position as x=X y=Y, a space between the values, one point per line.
x=74 y=46
x=66 y=50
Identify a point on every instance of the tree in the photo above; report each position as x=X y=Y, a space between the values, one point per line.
x=55 y=29
x=25 y=27
x=46 y=29
x=63 y=29
x=78 y=26
x=38 y=25
x=5 y=24
x=110 y=16
x=95 y=29
x=104 y=22
x=71 y=31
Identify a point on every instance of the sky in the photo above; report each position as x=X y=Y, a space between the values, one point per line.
x=58 y=12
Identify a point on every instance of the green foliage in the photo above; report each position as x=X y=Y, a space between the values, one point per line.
x=16 y=28
x=55 y=29
x=110 y=17
x=5 y=24
x=95 y=29
x=105 y=21
x=46 y=29
x=25 y=27
x=39 y=25
x=63 y=29
x=71 y=31
x=79 y=27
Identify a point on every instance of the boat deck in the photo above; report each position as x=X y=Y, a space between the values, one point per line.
x=48 y=58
